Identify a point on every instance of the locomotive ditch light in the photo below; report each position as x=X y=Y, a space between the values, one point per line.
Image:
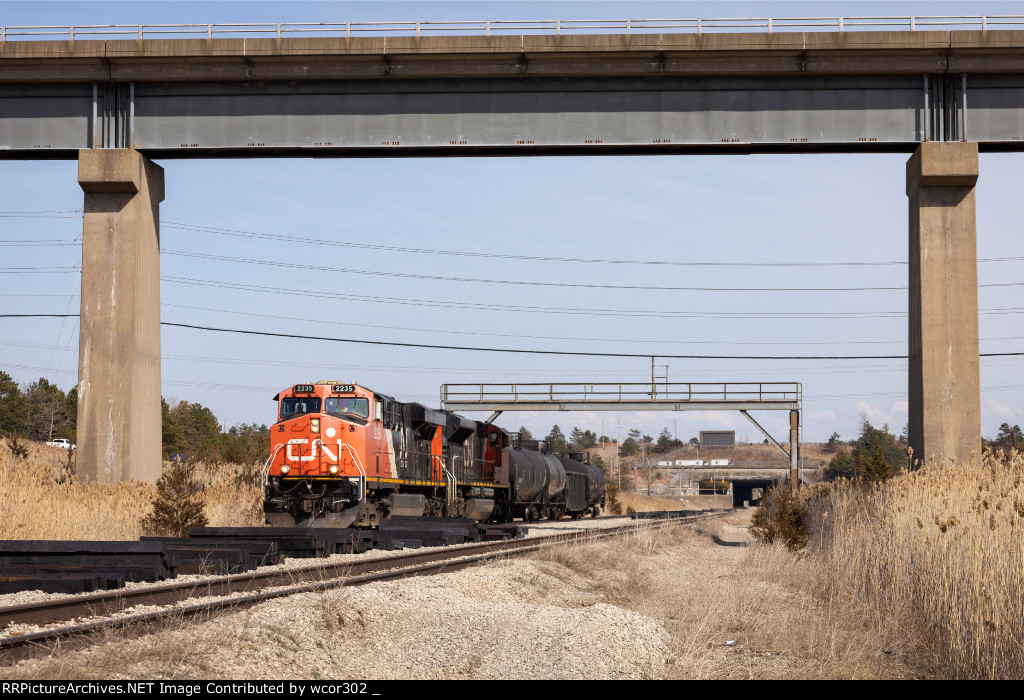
x=285 y=469
x=334 y=469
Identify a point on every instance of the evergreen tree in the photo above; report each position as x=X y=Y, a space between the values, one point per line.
x=876 y=469
x=582 y=439
x=179 y=504
x=833 y=443
x=876 y=456
x=70 y=428
x=525 y=434
x=1010 y=438
x=666 y=442
x=171 y=433
x=13 y=416
x=555 y=441
x=246 y=444
x=200 y=435
x=628 y=448
x=46 y=411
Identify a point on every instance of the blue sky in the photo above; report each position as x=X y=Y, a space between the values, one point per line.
x=808 y=208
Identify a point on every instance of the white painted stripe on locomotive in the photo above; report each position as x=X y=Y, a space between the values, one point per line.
x=393 y=467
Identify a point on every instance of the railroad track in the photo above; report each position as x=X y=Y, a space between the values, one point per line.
x=251 y=588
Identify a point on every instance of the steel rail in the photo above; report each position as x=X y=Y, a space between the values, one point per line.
x=506 y=27
x=316 y=577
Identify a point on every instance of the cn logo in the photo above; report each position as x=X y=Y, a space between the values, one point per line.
x=312 y=453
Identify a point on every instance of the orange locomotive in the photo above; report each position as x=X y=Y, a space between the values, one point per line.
x=343 y=455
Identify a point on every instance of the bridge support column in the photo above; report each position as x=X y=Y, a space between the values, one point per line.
x=119 y=417
x=944 y=378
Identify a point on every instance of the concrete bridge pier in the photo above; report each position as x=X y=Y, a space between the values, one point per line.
x=944 y=377
x=119 y=417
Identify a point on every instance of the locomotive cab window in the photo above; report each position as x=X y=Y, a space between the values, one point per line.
x=348 y=407
x=492 y=437
x=299 y=405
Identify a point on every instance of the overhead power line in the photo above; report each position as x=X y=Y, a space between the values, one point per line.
x=574 y=311
x=185 y=226
x=574 y=353
x=532 y=258
x=532 y=283
x=527 y=283
x=38 y=270
x=500 y=256
x=541 y=337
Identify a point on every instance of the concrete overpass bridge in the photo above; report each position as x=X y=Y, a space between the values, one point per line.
x=744 y=479
x=118 y=104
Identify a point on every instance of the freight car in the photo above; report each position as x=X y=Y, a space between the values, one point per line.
x=584 y=486
x=343 y=455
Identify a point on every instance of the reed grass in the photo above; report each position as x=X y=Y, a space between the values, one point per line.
x=41 y=501
x=938 y=551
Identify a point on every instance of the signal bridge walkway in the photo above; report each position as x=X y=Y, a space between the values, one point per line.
x=639 y=396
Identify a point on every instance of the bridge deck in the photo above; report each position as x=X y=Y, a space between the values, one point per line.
x=513 y=95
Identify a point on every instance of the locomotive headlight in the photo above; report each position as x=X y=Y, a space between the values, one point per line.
x=285 y=469
x=314 y=425
x=334 y=469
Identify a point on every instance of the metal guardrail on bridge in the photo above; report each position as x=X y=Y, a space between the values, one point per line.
x=624 y=396
x=507 y=27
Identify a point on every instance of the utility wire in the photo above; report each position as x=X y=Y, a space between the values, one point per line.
x=528 y=283
x=497 y=256
x=38 y=270
x=543 y=337
x=479 y=280
x=632 y=313
x=202 y=228
x=574 y=353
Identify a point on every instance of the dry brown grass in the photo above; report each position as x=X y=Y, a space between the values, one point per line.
x=939 y=552
x=769 y=602
x=37 y=503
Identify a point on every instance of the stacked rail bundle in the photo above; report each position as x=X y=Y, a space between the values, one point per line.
x=501 y=531
x=413 y=531
x=220 y=556
x=300 y=542
x=82 y=566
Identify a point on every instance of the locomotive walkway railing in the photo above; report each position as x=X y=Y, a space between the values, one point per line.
x=624 y=396
x=507 y=27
